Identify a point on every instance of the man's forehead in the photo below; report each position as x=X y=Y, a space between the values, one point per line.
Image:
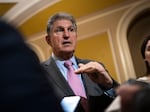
x=63 y=23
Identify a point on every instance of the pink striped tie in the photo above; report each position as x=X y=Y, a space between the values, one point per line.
x=74 y=80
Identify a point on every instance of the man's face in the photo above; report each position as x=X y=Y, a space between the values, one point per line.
x=63 y=37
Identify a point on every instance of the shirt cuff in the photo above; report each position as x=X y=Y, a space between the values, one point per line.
x=69 y=104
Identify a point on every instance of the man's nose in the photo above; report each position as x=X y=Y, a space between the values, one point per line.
x=66 y=33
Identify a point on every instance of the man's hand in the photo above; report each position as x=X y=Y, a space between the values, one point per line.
x=96 y=72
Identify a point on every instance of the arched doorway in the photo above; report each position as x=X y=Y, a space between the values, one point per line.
x=138 y=28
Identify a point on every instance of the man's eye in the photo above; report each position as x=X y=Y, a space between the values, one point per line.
x=59 y=30
x=72 y=29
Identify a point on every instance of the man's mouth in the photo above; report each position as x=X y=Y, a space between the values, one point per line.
x=67 y=42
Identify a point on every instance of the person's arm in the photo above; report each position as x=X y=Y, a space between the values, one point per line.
x=98 y=74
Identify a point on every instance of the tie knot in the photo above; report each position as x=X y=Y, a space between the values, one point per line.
x=68 y=63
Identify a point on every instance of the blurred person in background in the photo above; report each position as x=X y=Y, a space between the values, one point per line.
x=23 y=82
x=145 y=52
x=132 y=94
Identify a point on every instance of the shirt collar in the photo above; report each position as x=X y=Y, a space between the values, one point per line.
x=62 y=61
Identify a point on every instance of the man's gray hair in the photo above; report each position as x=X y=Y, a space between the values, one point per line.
x=59 y=16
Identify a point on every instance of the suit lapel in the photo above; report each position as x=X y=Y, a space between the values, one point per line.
x=57 y=77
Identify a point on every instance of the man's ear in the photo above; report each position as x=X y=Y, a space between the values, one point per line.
x=47 y=37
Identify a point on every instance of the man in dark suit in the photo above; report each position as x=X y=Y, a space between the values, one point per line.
x=23 y=81
x=95 y=79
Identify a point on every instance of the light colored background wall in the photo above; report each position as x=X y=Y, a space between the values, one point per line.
x=102 y=31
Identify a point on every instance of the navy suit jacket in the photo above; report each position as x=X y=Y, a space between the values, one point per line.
x=23 y=81
x=95 y=93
